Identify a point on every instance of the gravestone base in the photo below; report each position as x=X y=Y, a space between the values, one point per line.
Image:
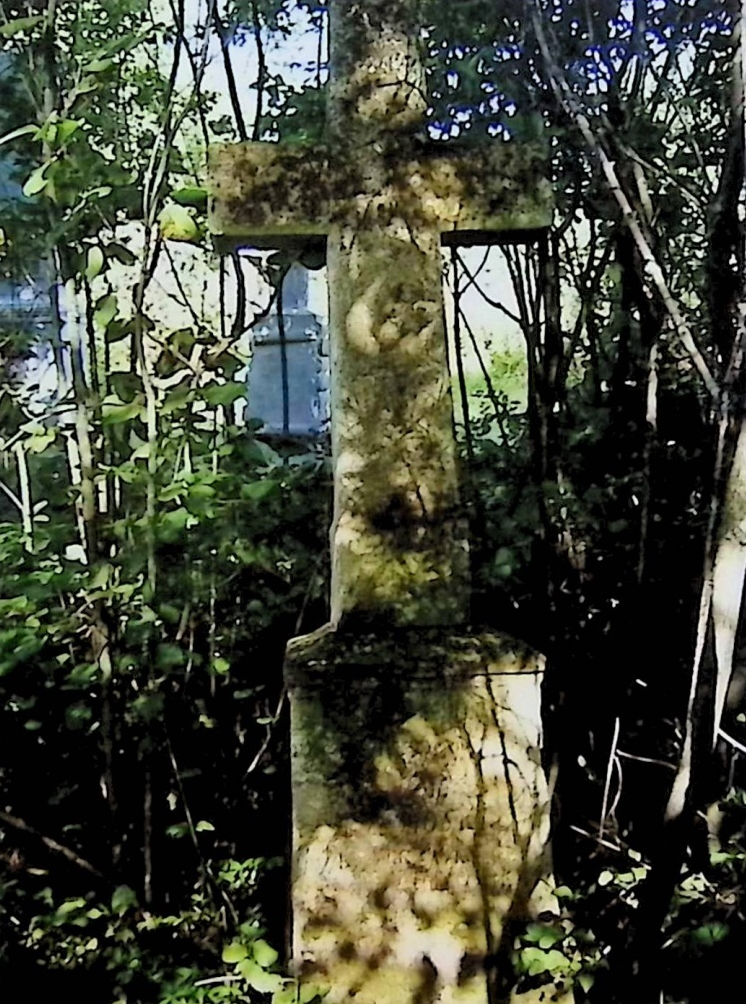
x=420 y=813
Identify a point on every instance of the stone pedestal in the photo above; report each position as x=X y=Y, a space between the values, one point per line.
x=420 y=811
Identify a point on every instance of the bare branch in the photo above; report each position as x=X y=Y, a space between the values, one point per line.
x=568 y=103
x=54 y=845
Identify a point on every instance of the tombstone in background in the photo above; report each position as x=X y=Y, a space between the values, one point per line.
x=289 y=370
x=25 y=300
x=25 y=304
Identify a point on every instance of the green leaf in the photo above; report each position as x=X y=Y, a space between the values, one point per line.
x=177 y=399
x=225 y=363
x=123 y=899
x=48 y=132
x=259 y=979
x=94 y=262
x=169 y=657
x=172 y=492
x=20 y=131
x=586 y=981
x=100 y=578
x=203 y=826
x=201 y=491
x=177 y=830
x=148 y=707
x=605 y=877
x=529 y=958
x=36 y=182
x=176 y=223
x=223 y=394
x=19 y=24
x=564 y=892
x=70 y=906
x=235 y=952
x=533 y=934
x=98 y=66
x=67 y=128
x=169 y=613
x=86 y=85
x=115 y=414
x=123 y=43
x=40 y=440
x=287 y=995
x=142 y=452
x=120 y=253
x=291 y=993
x=191 y=196
x=310 y=991
x=255 y=491
x=262 y=453
x=536 y=961
x=264 y=955
x=710 y=934
x=551 y=936
x=106 y=310
x=126 y=385
x=172 y=524
x=556 y=961
x=117 y=330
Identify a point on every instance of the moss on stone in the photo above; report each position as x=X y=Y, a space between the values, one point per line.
x=420 y=809
x=265 y=193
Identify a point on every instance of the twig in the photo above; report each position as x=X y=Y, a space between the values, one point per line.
x=599 y=840
x=12 y=496
x=646 y=759
x=261 y=73
x=24 y=481
x=458 y=346
x=494 y=400
x=224 y=33
x=568 y=103
x=185 y=299
x=268 y=738
x=20 y=824
x=477 y=272
x=731 y=741
x=607 y=782
x=193 y=833
x=488 y=300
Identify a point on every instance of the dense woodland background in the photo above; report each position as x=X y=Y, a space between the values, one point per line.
x=156 y=554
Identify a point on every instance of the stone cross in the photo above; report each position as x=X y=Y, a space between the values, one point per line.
x=419 y=803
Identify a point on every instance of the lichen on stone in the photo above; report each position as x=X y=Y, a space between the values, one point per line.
x=420 y=812
x=266 y=192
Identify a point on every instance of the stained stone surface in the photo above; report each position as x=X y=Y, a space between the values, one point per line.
x=420 y=812
x=384 y=197
x=270 y=194
x=397 y=540
x=420 y=806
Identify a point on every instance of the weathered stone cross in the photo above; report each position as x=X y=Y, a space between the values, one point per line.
x=419 y=801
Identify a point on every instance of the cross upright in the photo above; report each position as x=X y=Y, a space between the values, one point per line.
x=419 y=804
x=385 y=198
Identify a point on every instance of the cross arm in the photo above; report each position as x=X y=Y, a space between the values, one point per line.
x=269 y=194
x=487 y=194
x=276 y=195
